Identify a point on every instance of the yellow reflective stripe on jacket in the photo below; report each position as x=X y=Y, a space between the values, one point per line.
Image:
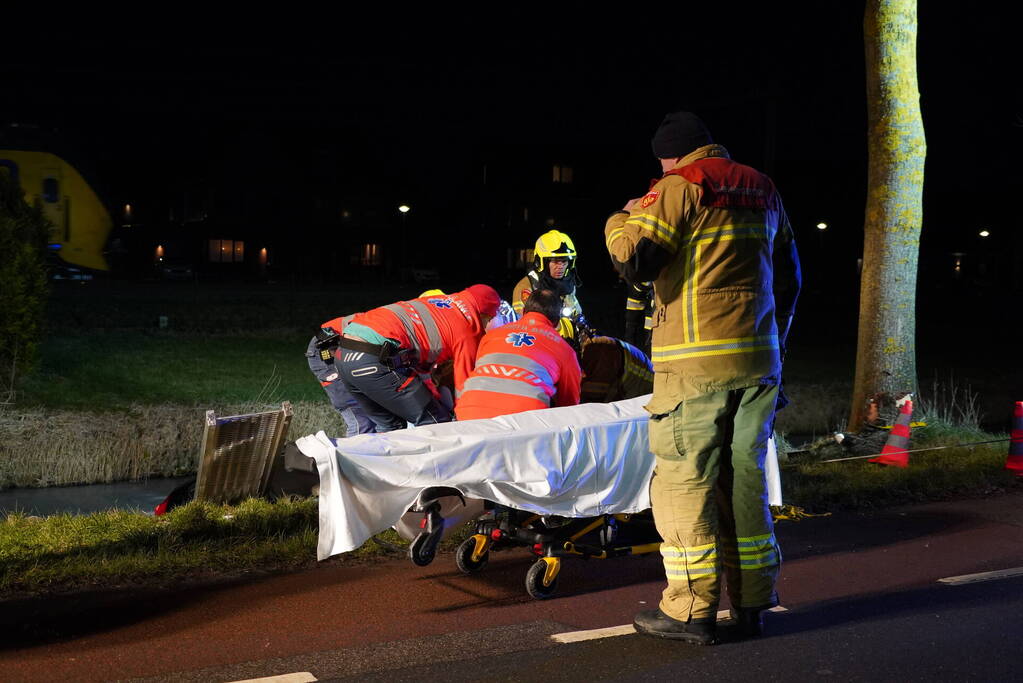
x=721 y=233
x=700 y=560
x=634 y=304
x=648 y=323
x=613 y=235
x=690 y=282
x=717 y=347
x=664 y=231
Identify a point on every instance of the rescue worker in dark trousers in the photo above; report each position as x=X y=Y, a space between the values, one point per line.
x=639 y=318
x=713 y=236
x=554 y=259
x=320 y=357
x=523 y=365
x=384 y=351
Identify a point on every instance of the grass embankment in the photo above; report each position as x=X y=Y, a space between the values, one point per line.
x=117 y=546
x=198 y=541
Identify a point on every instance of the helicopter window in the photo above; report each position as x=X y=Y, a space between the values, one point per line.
x=9 y=168
x=50 y=190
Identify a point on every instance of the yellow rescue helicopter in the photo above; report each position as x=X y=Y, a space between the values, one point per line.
x=79 y=222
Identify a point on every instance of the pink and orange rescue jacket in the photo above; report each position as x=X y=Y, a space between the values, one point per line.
x=434 y=329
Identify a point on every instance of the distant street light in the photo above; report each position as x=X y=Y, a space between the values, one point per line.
x=404 y=209
x=984 y=233
x=821 y=227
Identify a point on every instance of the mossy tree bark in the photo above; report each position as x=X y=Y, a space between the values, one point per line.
x=886 y=344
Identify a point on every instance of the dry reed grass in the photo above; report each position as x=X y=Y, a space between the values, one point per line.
x=44 y=447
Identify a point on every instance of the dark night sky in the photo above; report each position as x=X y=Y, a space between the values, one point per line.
x=149 y=96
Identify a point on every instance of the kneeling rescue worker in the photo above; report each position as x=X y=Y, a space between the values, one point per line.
x=320 y=357
x=384 y=350
x=714 y=238
x=524 y=365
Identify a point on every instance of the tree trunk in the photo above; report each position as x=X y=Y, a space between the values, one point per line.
x=886 y=353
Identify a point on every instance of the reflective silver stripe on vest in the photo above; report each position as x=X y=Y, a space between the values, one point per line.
x=406 y=322
x=506 y=386
x=527 y=364
x=432 y=333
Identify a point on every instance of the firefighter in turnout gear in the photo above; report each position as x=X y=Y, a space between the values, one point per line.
x=384 y=351
x=524 y=365
x=554 y=269
x=713 y=237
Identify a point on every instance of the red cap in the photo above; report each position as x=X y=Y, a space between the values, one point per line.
x=486 y=299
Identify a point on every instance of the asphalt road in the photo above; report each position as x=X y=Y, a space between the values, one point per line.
x=861 y=592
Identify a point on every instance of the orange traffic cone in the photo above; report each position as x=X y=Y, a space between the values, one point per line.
x=895 y=451
x=1015 y=460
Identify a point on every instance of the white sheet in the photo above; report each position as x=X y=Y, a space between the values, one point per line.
x=580 y=461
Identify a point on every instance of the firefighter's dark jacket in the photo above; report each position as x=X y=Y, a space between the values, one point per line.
x=713 y=236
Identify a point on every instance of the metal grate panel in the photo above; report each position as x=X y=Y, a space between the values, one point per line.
x=237 y=454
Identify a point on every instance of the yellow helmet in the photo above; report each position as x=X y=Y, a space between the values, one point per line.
x=431 y=292
x=553 y=244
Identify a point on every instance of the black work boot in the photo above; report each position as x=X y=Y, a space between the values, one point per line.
x=654 y=622
x=748 y=621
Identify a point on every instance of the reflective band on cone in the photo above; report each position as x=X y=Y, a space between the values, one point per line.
x=895 y=451
x=1015 y=460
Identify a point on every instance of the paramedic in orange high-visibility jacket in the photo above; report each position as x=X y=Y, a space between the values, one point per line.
x=383 y=352
x=523 y=365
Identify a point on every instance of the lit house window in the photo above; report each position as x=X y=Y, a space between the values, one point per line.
x=227 y=251
x=370 y=255
x=562 y=174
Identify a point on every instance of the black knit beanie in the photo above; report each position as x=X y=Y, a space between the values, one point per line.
x=679 y=134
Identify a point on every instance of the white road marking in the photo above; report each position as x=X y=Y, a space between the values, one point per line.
x=623 y=630
x=301 y=677
x=982 y=576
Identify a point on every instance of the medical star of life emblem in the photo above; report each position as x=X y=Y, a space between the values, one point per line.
x=439 y=303
x=520 y=339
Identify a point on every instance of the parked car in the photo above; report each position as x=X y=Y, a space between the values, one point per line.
x=176 y=269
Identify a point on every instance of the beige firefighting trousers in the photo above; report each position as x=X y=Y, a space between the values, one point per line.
x=709 y=498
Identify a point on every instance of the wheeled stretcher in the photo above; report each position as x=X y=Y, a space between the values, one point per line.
x=561 y=481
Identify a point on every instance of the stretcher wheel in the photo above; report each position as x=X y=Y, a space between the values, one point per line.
x=422 y=549
x=534 y=581
x=463 y=557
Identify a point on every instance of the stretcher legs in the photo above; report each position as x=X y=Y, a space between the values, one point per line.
x=549 y=539
x=423 y=548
